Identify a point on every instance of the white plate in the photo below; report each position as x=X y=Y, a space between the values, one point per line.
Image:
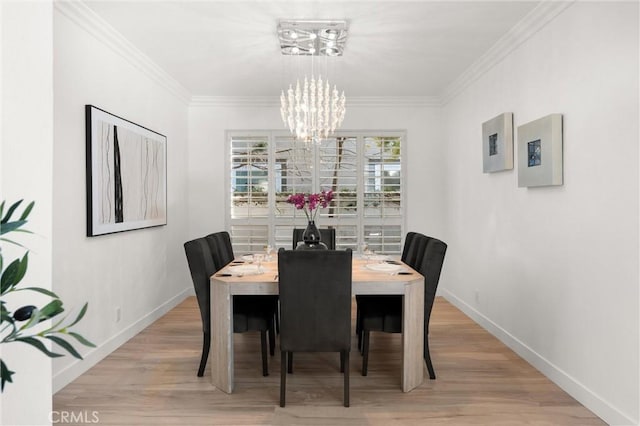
x=247 y=258
x=239 y=270
x=378 y=257
x=383 y=267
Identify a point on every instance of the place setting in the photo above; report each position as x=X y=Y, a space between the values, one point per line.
x=377 y=262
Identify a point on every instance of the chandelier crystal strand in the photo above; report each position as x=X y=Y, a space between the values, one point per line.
x=341 y=109
x=327 y=109
x=290 y=110
x=334 y=109
x=320 y=112
x=305 y=108
x=312 y=107
x=298 y=108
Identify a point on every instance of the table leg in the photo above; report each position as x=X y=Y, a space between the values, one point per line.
x=221 y=336
x=413 y=336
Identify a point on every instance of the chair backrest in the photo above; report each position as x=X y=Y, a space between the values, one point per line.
x=202 y=267
x=315 y=300
x=407 y=243
x=221 y=248
x=431 y=267
x=327 y=236
x=416 y=250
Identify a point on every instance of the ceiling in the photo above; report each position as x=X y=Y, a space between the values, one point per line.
x=394 y=48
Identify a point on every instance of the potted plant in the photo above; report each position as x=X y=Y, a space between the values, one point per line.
x=21 y=325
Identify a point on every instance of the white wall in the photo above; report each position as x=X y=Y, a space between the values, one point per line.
x=143 y=272
x=25 y=172
x=207 y=161
x=555 y=269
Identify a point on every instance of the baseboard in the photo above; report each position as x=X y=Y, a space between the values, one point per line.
x=577 y=390
x=75 y=370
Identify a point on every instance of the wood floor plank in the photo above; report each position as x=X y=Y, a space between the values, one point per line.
x=152 y=380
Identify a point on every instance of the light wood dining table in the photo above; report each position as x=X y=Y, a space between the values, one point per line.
x=365 y=281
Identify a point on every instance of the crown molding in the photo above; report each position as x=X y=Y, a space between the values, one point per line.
x=533 y=22
x=394 y=101
x=234 y=101
x=81 y=15
x=274 y=101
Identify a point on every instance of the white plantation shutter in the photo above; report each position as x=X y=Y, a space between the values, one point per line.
x=249 y=177
x=365 y=173
x=248 y=238
x=294 y=175
x=382 y=187
x=382 y=177
x=339 y=172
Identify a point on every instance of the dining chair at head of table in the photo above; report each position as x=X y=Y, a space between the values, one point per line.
x=250 y=313
x=327 y=236
x=384 y=313
x=315 y=307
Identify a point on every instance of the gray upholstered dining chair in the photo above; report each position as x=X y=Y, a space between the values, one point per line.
x=221 y=248
x=407 y=244
x=416 y=250
x=315 y=307
x=222 y=251
x=412 y=253
x=250 y=313
x=327 y=236
x=384 y=313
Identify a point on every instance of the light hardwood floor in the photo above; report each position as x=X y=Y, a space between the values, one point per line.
x=152 y=380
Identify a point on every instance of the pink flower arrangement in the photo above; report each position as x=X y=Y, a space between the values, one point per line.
x=311 y=203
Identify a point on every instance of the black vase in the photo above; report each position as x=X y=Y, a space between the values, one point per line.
x=311 y=238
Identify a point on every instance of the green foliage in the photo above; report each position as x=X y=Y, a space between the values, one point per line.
x=19 y=326
x=389 y=147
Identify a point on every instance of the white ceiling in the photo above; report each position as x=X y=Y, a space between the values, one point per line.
x=230 y=48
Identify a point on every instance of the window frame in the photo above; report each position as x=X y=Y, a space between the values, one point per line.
x=360 y=220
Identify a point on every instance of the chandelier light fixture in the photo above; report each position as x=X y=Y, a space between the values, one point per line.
x=311 y=108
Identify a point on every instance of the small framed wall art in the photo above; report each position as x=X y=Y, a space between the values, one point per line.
x=126 y=174
x=540 y=152
x=497 y=143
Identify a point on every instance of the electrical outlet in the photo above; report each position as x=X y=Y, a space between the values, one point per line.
x=118 y=314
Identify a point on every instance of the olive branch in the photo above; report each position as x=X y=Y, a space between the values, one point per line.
x=17 y=326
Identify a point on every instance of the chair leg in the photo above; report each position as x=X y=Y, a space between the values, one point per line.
x=283 y=377
x=427 y=358
x=365 y=351
x=359 y=328
x=206 y=344
x=345 y=355
x=342 y=361
x=272 y=339
x=263 y=344
x=290 y=362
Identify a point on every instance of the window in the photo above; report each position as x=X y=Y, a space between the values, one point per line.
x=363 y=169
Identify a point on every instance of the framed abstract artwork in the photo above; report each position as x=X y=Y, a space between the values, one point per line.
x=540 y=152
x=126 y=174
x=497 y=143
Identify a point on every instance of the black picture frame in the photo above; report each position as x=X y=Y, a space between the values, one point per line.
x=126 y=173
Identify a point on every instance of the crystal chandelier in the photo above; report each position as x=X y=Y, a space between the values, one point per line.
x=313 y=110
